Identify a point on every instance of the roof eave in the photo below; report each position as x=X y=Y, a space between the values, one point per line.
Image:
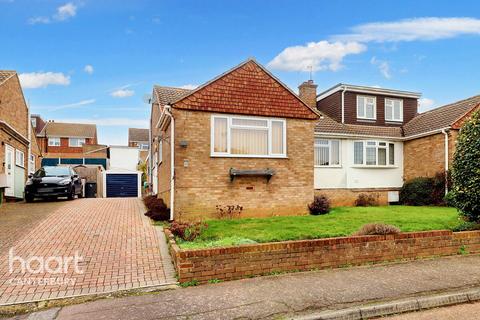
x=370 y=90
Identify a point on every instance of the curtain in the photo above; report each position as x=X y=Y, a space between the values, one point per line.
x=335 y=150
x=249 y=141
x=391 y=154
x=277 y=137
x=382 y=156
x=220 y=135
x=358 y=152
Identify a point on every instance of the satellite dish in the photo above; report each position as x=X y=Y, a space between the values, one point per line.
x=147 y=98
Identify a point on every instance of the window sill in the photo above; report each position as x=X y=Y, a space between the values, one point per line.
x=373 y=167
x=246 y=156
x=394 y=121
x=326 y=167
x=366 y=119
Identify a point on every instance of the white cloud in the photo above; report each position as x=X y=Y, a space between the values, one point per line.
x=66 y=106
x=315 y=56
x=428 y=28
x=64 y=12
x=189 y=86
x=425 y=104
x=88 y=69
x=122 y=93
x=383 y=66
x=110 y=122
x=35 y=80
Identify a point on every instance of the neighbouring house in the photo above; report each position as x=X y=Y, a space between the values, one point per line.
x=139 y=138
x=243 y=138
x=70 y=143
x=372 y=140
x=14 y=135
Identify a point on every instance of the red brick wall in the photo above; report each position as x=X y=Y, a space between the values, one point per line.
x=63 y=148
x=257 y=259
x=332 y=106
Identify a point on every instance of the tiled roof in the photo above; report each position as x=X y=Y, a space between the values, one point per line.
x=63 y=129
x=135 y=134
x=328 y=125
x=440 y=117
x=166 y=95
x=5 y=74
x=247 y=89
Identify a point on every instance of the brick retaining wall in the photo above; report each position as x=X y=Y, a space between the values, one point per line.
x=228 y=263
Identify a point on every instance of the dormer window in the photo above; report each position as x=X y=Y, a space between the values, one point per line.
x=393 y=109
x=366 y=107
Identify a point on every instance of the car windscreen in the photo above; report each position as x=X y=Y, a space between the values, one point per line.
x=52 y=172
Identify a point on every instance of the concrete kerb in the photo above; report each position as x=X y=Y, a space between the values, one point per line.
x=396 y=306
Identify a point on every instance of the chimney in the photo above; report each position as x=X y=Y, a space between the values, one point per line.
x=307 y=91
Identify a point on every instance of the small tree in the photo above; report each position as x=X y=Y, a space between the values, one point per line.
x=466 y=170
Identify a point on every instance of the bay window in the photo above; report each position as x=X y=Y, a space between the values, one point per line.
x=240 y=136
x=393 y=109
x=374 y=153
x=327 y=152
x=366 y=107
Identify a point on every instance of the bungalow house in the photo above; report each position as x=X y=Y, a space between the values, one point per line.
x=70 y=143
x=14 y=135
x=243 y=138
x=372 y=140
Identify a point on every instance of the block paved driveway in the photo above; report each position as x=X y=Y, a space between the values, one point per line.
x=117 y=245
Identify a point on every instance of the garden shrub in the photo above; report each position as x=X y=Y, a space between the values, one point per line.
x=377 y=229
x=465 y=169
x=157 y=209
x=187 y=231
x=320 y=205
x=417 y=192
x=467 y=226
x=366 y=200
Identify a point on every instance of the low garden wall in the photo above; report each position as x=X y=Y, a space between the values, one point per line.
x=228 y=263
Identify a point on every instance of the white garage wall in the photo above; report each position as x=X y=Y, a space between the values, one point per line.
x=349 y=175
x=123 y=158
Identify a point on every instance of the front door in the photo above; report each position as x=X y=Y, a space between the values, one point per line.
x=9 y=170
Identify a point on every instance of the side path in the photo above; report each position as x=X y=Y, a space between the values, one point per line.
x=286 y=295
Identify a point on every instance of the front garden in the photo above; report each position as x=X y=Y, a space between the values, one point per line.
x=342 y=221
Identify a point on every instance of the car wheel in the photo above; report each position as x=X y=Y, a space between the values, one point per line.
x=29 y=199
x=71 y=196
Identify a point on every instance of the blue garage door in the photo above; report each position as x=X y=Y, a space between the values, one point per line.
x=122 y=185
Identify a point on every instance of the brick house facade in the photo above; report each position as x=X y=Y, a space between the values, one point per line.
x=14 y=133
x=202 y=174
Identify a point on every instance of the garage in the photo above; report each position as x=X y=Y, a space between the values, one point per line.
x=122 y=184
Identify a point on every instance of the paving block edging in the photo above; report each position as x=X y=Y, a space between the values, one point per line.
x=243 y=261
x=383 y=309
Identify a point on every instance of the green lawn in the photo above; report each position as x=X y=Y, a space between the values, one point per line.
x=341 y=221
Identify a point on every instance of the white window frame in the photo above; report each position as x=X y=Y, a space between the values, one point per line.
x=229 y=119
x=377 y=146
x=160 y=151
x=31 y=163
x=22 y=155
x=143 y=146
x=390 y=103
x=34 y=122
x=54 y=142
x=364 y=106
x=80 y=141
x=330 y=153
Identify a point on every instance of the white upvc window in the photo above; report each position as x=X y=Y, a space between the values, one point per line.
x=327 y=153
x=366 y=107
x=143 y=146
x=20 y=158
x=31 y=164
x=54 y=142
x=34 y=122
x=373 y=153
x=240 y=136
x=393 y=109
x=76 y=142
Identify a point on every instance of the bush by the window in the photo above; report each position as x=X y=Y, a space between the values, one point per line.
x=465 y=170
x=157 y=209
x=377 y=229
x=424 y=191
x=366 y=200
x=320 y=205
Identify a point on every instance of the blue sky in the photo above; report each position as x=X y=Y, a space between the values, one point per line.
x=94 y=61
